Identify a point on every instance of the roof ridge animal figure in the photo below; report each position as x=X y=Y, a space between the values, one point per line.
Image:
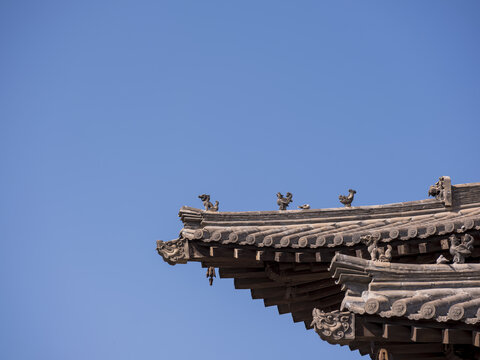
x=347 y=200
x=387 y=255
x=377 y=253
x=206 y=202
x=462 y=248
x=442 y=260
x=282 y=201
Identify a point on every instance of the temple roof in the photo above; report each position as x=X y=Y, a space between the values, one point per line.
x=284 y=257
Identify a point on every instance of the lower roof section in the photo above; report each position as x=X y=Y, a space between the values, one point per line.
x=404 y=309
x=433 y=292
x=388 y=339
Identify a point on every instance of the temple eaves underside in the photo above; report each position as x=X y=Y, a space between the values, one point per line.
x=316 y=264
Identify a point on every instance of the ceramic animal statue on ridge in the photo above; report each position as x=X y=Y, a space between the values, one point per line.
x=282 y=201
x=206 y=202
x=462 y=248
x=377 y=253
x=347 y=200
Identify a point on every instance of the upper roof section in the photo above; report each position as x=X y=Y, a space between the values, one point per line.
x=454 y=209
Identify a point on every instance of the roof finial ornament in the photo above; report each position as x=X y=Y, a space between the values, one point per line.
x=304 y=206
x=206 y=202
x=283 y=202
x=347 y=200
x=442 y=190
x=377 y=253
x=211 y=274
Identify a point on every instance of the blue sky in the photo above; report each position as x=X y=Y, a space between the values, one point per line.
x=114 y=114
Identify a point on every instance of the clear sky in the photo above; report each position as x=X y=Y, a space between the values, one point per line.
x=114 y=114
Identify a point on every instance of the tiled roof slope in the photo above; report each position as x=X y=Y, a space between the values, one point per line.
x=441 y=292
x=336 y=227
